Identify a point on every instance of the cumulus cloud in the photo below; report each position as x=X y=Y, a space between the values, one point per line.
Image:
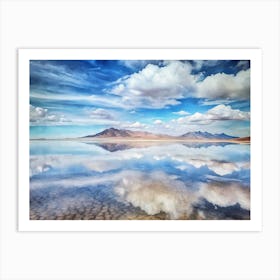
x=37 y=113
x=223 y=112
x=101 y=114
x=217 y=113
x=162 y=86
x=155 y=86
x=42 y=115
x=223 y=85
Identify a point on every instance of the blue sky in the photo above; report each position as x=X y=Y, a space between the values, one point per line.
x=72 y=98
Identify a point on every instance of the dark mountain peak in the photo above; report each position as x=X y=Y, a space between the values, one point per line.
x=111 y=132
x=123 y=133
x=206 y=135
x=112 y=129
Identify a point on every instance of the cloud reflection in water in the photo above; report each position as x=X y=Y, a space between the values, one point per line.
x=168 y=181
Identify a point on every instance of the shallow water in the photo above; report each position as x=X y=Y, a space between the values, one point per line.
x=139 y=180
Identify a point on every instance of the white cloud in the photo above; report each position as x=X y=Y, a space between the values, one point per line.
x=136 y=125
x=42 y=115
x=158 y=122
x=217 y=113
x=223 y=85
x=101 y=114
x=223 y=112
x=181 y=113
x=132 y=125
x=161 y=86
x=219 y=119
x=37 y=113
x=156 y=87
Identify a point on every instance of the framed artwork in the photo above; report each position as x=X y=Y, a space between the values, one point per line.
x=139 y=139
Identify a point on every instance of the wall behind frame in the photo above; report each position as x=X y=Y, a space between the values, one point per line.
x=139 y=24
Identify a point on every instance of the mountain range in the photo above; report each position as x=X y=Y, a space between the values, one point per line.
x=113 y=132
x=206 y=135
x=124 y=133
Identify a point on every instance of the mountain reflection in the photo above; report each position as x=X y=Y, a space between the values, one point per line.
x=207 y=144
x=113 y=147
x=139 y=180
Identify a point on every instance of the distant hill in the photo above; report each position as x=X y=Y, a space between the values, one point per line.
x=124 y=133
x=244 y=139
x=111 y=132
x=206 y=135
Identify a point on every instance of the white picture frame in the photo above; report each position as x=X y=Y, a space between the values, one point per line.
x=254 y=55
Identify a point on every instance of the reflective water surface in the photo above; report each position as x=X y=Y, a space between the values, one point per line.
x=139 y=180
